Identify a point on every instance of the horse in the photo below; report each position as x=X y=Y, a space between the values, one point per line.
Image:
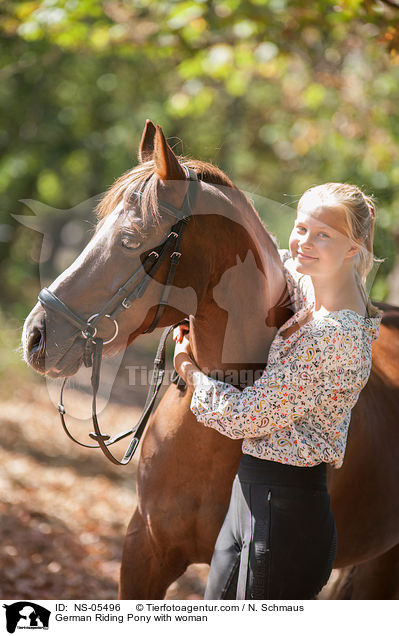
x=375 y=579
x=185 y=470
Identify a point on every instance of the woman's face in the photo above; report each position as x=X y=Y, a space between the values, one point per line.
x=319 y=243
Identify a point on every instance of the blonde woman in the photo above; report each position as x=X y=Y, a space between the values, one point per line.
x=278 y=540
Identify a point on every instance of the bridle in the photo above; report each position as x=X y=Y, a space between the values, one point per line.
x=123 y=298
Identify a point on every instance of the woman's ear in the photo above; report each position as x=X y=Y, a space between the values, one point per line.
x=353 y=250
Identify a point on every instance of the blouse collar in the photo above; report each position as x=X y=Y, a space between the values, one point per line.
x=368 y=323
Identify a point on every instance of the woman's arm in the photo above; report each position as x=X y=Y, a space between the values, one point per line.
x=311 y=379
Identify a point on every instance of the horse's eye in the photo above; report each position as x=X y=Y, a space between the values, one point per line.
x=130 y=242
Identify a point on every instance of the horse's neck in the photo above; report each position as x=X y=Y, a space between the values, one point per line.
x=236 y=322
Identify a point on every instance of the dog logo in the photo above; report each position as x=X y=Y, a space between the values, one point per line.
x=26 y=615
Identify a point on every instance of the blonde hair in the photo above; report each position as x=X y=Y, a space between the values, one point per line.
x=360 y=215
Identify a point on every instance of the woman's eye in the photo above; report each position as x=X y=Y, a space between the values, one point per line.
x=130 y=243
x=323 y=235
x=300 y=228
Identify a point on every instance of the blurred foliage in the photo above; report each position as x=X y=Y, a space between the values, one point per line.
x=13 y=370
x=281 y=94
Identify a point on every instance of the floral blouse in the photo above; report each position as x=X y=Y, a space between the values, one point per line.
x=298 y=411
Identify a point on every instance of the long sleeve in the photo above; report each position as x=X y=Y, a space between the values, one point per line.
x=322 y=366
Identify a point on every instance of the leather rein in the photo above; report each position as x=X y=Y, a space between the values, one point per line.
x=133 y=288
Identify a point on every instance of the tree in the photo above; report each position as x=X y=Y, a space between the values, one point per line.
x=280 y=93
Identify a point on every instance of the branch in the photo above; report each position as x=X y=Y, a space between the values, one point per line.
x=390 y=3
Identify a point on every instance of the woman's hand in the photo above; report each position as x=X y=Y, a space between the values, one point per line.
x=180 y=336
x=182 y=360
x=183 y=346
x=180 y=331
x=182 y=349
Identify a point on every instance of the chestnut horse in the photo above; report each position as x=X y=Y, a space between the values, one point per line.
x=230 y=282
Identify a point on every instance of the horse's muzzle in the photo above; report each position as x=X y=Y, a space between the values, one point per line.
x=54 y=359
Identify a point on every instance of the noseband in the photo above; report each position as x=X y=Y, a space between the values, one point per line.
x=122 y=300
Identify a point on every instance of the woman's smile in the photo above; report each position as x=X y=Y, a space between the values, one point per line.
x=305 y=257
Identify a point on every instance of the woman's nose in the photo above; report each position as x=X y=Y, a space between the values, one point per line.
x=305 y=242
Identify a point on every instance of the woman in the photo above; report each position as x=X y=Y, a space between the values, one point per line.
x=278 y=539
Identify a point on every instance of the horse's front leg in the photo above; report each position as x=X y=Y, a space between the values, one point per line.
x=184 y=481
x=147 y=569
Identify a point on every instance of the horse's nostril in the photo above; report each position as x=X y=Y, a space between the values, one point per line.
x=36 y=340
x=36 y=347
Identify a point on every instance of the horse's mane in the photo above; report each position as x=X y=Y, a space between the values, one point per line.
x=142 y=182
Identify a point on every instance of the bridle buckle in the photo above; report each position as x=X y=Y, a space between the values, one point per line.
x=90 y=332
x=126 y=303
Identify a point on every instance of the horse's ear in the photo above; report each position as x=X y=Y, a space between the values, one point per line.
x=166 y=164
x=146 y=148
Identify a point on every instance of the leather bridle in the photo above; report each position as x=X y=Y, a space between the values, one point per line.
x=123 y=298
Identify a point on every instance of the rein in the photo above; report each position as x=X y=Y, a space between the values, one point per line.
x=123 y=299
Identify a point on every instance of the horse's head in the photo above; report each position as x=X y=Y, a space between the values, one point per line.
x=130 y=277
x=135 y=219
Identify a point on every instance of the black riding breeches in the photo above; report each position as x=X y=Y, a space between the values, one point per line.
x=278 y=540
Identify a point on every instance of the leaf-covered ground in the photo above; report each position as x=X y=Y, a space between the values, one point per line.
x=63 y=509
